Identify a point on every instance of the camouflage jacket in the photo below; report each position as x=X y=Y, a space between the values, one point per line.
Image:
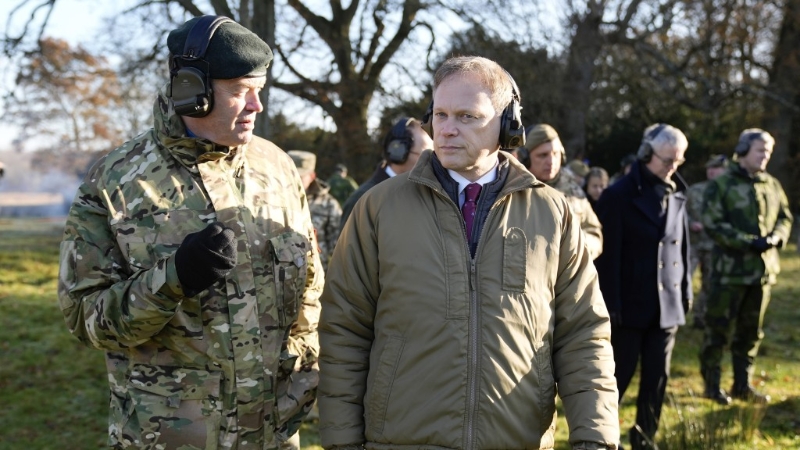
x=694 y=207
x=341 y=187
x=326 y=215
x=738 y=208
x=580 y=205
x=236 y=365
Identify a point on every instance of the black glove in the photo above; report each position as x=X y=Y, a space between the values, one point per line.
x=761 y=244
x=204 y=257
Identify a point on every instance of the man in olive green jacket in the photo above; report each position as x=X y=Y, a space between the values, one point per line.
x=443 y=330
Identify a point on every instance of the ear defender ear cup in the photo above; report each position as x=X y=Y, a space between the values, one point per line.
x=512 y=133
x=398 y=142
x=645 y=152
x=190 y=84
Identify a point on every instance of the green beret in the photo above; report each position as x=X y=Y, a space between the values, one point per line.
x=305 y=161
x=716 y=161
x=539 y=135
x=234 y=51
x=578 y=167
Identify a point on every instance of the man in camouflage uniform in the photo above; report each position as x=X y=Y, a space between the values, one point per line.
x=325 y=210
x=189 y=257
x=342 y=186
x=747 y=215
x=544 y=155
x=701 y=243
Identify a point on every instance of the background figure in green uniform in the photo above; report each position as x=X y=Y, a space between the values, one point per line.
x=545 y=157
x=747 y=215
x=701 y=243
x=341 y=184
x=325 y=210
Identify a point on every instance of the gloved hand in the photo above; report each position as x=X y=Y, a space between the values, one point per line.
x=204 y=257
x=761 y=244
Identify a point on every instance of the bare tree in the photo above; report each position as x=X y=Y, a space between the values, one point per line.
x=65 y=97
x=782 y=102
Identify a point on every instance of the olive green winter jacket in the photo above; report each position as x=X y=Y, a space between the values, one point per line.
x=424 y=347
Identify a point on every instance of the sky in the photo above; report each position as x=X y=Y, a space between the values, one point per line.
x=75 y=21
x=78 y=22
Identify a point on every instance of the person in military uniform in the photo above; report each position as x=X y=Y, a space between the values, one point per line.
x=543 y=154
x=325 y=210
x=746 y=213
x=578 y=170
x=342 y=185
x=189 y=258
x=700 y=252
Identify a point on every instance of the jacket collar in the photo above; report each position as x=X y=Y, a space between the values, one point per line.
x=518 y=176
x=188 y=150
x=736 y=170
x=637 y=176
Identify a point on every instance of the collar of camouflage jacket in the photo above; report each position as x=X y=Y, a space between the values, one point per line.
x=188 y=150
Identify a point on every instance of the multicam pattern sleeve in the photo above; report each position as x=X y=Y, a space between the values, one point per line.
x=234 y=366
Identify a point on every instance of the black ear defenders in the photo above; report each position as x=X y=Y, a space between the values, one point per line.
x=397 y=144
x=743 y=146
x=512 y=133
x=190 y=82
x=645 y=152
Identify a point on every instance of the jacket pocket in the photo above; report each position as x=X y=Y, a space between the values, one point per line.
x=173 y=406
x=381 y=387
x=515 y=264
x=289 y=252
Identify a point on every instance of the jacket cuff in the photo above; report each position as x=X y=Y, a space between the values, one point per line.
x=166 y=280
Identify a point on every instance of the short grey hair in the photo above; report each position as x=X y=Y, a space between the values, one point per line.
x=667 y=137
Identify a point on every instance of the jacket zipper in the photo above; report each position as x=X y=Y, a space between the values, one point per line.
x=474 y=322
x=472 y=373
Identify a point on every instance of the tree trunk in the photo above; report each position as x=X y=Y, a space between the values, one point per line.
x=356 y=149
x=781 y=106
x=576 y=91
x=264 y=27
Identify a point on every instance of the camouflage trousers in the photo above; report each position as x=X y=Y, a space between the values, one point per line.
x=704 y=260
x=737 y=309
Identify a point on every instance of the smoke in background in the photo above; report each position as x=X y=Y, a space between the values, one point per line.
x=27 y=191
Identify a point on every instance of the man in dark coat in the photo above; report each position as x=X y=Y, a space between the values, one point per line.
x=644 y=270
x=402 y=146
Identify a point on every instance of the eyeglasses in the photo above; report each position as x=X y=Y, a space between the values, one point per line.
x=669 y=161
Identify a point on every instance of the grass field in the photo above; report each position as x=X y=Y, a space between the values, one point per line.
x=53 y=390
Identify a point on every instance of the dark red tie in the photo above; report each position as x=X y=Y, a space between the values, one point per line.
x=471 y=193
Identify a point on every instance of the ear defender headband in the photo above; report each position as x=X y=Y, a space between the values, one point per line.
x=512 y=133
x=190 y=83
x=743 y=146
x=645 y=152
x=397 y=144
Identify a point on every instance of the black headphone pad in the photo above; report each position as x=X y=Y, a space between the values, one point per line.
x=190 y=94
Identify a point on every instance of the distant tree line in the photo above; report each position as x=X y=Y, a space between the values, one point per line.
x=611 y=67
